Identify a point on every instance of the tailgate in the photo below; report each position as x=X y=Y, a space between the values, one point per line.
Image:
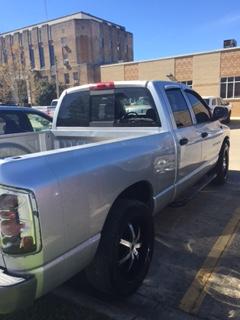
x=12 y=145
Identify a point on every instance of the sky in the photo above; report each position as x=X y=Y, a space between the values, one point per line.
x=160 y=28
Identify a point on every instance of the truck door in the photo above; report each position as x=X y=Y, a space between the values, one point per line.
x=210 y=132
x=187 y=138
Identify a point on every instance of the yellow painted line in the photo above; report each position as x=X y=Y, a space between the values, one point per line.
x=196 y=293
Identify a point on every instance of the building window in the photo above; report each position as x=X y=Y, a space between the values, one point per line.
x=75 y=76
x=230 y=87
x=39 y=34
x=20 y=39
x=51 y=54
x=49 y=32
x=187 y=83
x=41 y=55
x=102 y=43
x=5 y=56
x=66 y=78
x=29 y=35
x=31 y=56
x=22 y=56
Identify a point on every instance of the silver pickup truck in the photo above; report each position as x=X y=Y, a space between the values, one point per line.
x=82 y=196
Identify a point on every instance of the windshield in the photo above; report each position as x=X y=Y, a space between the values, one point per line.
x=119 y=107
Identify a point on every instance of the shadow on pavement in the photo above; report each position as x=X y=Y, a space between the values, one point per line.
x=52 y=307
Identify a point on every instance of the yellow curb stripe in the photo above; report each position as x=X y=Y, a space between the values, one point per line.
x=196 y=293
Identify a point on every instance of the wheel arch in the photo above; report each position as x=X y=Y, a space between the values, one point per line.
x=141 y=191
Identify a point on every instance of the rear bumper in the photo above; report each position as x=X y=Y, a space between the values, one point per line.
x=15 y=292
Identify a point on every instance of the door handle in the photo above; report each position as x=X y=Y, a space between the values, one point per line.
x=183 y=141
x=204 y=134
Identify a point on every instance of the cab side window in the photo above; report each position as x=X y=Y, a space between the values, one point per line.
x=179 y=108
x=201 y=112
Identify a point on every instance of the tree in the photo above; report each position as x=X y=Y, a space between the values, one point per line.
x=6 y=96
x=45 y=92
x=13 y=79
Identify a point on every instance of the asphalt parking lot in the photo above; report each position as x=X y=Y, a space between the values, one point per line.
x=195 y=273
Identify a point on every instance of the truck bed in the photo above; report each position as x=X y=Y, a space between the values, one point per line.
x=13 y=145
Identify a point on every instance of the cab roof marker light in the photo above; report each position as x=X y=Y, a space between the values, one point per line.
x=102 y=86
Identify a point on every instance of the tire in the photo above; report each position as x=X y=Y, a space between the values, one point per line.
x=222 y=165
x=125 y=250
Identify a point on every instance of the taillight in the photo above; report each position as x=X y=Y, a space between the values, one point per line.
x=102 y=86
x=17 y=225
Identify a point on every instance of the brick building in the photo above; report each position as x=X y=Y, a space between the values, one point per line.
x=214 y=73
x=75 y=45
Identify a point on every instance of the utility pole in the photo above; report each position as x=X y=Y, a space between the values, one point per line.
x=29 y=87
x=56 y=75
x=46 y=9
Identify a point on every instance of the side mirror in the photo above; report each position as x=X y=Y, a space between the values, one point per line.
x=220 y=113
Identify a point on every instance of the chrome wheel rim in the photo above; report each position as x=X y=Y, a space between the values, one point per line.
x=133 y=247
x=225 y=164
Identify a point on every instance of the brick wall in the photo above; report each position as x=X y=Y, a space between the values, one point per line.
x=156 y=70
x=206 y=72
x=112 y=73
x=131 y=71
x=184 y=68
x=230 y=63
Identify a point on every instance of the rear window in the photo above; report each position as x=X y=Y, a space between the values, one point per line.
x=118 y=107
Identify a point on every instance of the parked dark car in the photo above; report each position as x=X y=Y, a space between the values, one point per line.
x=20 y=119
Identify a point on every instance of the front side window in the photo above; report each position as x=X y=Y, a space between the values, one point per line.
x=12 y=122
x=230 y=87
x=179 y=108
x=38 y=122
x=123 y=107
x=200 y=110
